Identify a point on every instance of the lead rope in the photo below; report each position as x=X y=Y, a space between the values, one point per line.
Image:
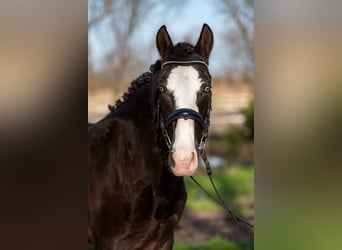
x=201 y=148
x=241 y=221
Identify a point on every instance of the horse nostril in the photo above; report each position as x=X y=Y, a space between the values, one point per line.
x=192 y=156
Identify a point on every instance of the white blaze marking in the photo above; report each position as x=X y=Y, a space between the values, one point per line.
x=184 y=83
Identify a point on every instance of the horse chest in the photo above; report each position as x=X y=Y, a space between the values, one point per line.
x=139 y=219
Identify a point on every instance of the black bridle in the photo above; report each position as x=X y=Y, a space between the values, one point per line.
x=204 y=123
x=184 y=113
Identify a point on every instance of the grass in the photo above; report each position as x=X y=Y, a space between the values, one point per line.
x=235 y=185
x=217 y=243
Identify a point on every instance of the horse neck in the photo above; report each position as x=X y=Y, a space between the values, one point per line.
x=142 y=110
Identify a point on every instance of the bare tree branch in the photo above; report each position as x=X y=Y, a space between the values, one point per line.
x=121 y=18
x=233 y=9
x=98 y=11
x=240 y=38
x=115 y=22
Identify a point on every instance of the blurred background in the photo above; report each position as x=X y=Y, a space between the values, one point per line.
x=121 y=46
x=298 y=93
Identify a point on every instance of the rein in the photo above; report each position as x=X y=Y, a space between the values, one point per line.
x=218 y=200
x=204 y=123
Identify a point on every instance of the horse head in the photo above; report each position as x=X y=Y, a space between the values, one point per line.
x=184 y=98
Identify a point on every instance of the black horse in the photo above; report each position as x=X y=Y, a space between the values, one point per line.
x=139 y=153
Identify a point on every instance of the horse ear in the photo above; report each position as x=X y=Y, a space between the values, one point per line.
x=164 y=42
x=205 y=42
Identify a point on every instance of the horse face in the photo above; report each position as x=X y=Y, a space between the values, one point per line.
x=184 y=87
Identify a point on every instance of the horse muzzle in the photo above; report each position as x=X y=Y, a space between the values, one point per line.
x=184 y=162
x=183 y=158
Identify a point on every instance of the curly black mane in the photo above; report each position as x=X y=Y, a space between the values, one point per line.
x=103 y=128
x=136 y=84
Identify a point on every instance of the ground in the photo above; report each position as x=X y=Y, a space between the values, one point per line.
x=198 y=227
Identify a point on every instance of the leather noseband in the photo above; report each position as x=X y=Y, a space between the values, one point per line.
x=185 y=114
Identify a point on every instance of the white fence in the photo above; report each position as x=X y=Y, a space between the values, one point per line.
x=228 y=104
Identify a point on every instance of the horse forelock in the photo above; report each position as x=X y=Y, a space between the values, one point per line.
x=184 y=52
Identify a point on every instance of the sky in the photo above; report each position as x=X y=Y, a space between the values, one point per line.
x=182 y=22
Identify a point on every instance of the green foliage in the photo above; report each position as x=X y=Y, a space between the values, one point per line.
x=237 y=144
x=234 y=139
x=235 y=184
x=217 y=243
x=249 y=120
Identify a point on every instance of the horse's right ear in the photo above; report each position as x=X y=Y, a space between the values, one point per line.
x=164 y=42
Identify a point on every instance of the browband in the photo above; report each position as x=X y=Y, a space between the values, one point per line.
x=184 y=63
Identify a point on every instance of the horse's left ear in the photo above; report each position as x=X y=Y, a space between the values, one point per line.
x=205 y=42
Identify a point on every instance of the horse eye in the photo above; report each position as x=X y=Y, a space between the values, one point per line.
x=206 y=89
x=161 y=89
